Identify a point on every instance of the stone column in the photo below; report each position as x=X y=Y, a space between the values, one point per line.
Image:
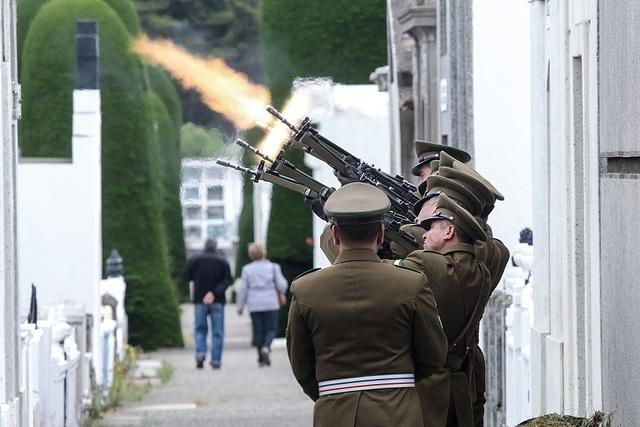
x=9 y=115
x=419 y=22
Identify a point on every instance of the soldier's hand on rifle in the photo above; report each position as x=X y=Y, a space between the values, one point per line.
x=317 y=206
x=350 y=177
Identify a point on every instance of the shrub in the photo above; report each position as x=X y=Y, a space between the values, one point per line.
x=131 y=219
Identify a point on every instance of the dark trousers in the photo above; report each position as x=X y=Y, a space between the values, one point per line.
x=264 y=327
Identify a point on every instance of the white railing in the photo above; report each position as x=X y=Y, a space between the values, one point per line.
x=517 y=283
x=49 y=386
x=55 y=361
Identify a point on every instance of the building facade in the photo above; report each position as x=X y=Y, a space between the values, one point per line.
x=211 y=197
x=429 y=75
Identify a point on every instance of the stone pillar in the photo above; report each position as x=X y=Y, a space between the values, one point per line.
x=455 y=30
x=9 y=115
x=400 y=87
x=419 y=22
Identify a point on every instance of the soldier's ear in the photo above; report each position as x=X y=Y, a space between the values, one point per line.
x=450 y=232
x=336 y=235
x=380 y=237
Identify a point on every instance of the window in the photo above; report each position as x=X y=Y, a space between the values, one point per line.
x=193 y=212
x=215 y=212
x=191 y=173
x=191 y=193
x=215 y=192
x=214 y=172
x=193 y=232
x=216 y=230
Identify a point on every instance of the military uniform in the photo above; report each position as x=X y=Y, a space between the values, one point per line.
x=461 y=285
x=493 y=253
x=361 y=333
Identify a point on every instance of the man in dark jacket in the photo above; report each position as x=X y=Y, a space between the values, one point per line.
x=211 y=276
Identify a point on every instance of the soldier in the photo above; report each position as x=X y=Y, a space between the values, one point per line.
x=427 y=152
x=495 y=255
x=361 y=332
x=461 y=285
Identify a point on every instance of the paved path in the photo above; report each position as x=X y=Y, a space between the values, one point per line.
x=240 y=394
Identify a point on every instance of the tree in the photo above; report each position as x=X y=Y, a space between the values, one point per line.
x=306 y=38
x=131 y=215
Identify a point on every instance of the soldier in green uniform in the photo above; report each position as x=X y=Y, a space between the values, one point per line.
x=495 y=255
x=361 y=332
x=461 y=285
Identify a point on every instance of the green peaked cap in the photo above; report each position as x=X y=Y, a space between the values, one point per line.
x=437 y=185
x=427 y=151
x=478 y=188
x=357 y=203
x=448 y=210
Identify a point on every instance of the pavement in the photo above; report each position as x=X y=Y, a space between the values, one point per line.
x=240 y=394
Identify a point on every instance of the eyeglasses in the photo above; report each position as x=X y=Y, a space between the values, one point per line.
x=438 y=215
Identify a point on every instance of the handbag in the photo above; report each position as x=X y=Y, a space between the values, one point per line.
x=282 y=298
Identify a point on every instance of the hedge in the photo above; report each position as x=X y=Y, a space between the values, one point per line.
x=131 y=220
x=168 y=157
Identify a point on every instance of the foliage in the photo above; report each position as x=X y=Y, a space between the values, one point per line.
x=303 y=38
x=166 y=372
x=163 y=86
x=223 y=28
x=196 y=141
x=26 y=11
x=131 y=220
x=245 y=226
x=126 y=11
x=168 y=157
x=598 y=419
x=123 y=388
x=332 y=38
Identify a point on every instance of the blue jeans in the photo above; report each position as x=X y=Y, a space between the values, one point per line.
x=216 y=312
x=264 y=327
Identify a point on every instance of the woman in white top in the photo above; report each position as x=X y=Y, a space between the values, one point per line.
x=262 y=291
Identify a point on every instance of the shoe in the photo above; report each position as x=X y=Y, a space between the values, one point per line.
x=215 y=365
x=199 y=362
x=264 y=352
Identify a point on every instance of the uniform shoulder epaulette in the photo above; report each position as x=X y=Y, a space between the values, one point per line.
x=398 y=263
x=305 y=273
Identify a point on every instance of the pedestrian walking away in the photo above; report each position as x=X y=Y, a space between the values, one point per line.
x=211 y=276
x=262 y=290
x=361 y=333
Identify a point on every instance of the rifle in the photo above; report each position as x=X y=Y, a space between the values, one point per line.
x=401 y=193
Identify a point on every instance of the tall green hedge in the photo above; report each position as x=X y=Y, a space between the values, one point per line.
x=305 y=38
x=168 y=154
x=131 y=220
x=126 y=11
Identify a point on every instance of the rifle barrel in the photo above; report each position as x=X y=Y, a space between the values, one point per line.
x=275 y=113
x=254 y=150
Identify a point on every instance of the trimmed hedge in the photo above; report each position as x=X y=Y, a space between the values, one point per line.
x=331 y=38
x=163 y=86
x=26 y=11
x=131 y=220
x=168 y=157
x=126 y=11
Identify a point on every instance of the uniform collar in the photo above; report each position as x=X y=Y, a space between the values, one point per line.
x=458 y=247
x=357 y=255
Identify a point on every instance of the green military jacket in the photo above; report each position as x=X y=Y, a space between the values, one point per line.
x=361 y=317
x=461 y=285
